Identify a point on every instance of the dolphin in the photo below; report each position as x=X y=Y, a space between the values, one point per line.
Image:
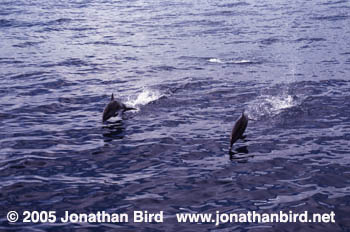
x=238 y=129
x=113 y=108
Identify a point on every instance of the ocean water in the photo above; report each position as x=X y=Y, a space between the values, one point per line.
x=190 y=68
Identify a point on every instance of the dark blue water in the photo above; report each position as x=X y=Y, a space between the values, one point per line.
x=190 y=68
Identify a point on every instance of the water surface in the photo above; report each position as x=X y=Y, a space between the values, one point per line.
x=190 y=68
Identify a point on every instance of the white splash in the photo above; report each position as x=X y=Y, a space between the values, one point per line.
x=271 y=105
x=143 y=98
x=240 y=61
x=215 y=60
x=279 y=103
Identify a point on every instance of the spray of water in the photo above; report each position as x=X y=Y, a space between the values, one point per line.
x=267 y=105
x=144 y=97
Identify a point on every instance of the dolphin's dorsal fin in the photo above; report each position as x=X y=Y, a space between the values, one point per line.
x=112 y=97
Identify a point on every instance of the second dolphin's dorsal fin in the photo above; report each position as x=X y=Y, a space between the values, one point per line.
x=112 y=97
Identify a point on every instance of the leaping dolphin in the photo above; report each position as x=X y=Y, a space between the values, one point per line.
x=113 y=108
x=238 y=129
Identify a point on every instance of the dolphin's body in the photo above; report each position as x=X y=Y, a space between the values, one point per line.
x=113 y=108
x=238 y=129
